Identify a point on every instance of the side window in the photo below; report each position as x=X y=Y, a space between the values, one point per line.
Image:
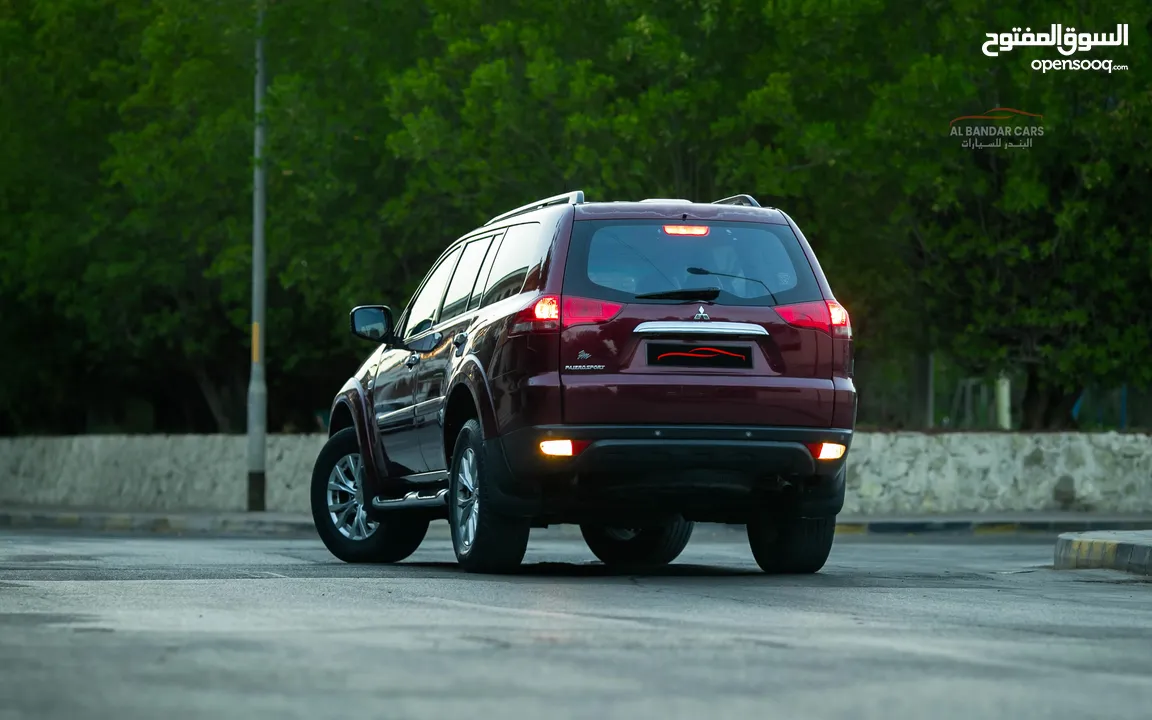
x=422 y=312
x=518 y=253
x=482 y=277
x=460 y=289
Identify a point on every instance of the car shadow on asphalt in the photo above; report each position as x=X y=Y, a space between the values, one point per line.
x=594 y=570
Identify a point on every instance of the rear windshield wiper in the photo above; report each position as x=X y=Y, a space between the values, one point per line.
x=702 y=271
x=686 y=294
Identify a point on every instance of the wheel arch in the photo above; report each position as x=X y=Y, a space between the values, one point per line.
x=351 y=408
x=341 y=417
x=459 y=408
x=467 y=397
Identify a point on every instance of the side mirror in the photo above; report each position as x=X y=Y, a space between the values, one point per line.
x=371 y=322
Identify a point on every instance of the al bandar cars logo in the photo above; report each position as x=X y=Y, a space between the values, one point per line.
x=1004 y=127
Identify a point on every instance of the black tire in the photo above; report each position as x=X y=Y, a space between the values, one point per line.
x=649 y=546
x=394 y=539
x=495 y=544
x=791 y=546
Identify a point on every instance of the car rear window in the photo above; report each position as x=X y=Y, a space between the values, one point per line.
x=751 y=263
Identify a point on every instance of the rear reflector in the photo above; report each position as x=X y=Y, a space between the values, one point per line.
x=825 y=315
x=695 y=230
x=826 y=451
x=562 y=448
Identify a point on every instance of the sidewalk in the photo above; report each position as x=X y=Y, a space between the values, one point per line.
x=1105 y=550
x=299 y=525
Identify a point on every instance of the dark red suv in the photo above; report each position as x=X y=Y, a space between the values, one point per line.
x=633 y=367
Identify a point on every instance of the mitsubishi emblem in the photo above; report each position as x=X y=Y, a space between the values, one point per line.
x=701 y=315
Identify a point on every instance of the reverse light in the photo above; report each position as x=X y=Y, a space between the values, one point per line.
x=562 y=448
x=826 y=451
x=825 y=315
x=557 y=448
x=693 y=230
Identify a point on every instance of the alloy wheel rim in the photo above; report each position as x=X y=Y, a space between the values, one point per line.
x=467 y=506
x=346 y=499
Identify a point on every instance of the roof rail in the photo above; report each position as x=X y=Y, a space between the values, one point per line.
x=738 y=200
x=571 y=198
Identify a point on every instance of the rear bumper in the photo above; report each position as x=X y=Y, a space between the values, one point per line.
x=707 y=473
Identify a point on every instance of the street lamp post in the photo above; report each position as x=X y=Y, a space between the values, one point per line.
x=257 y=386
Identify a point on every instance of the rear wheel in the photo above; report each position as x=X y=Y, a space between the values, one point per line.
x=338 y=509
x=484 y=540
x=791 y=546
x=647 y=546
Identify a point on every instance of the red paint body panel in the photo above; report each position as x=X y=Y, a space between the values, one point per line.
x=788 y=383
x=697 y=400
x=844 y=412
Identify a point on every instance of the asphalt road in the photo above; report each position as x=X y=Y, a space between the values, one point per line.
x=146 y=627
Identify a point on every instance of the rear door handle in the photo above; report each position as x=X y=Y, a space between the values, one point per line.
x=412 y=360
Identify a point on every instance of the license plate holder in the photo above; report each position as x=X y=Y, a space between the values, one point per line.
x=700 y=355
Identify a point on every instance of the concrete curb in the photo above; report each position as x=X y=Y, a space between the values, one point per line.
x=1129 y=552
x=992 y=526
x=160 y=523
x=297 y=525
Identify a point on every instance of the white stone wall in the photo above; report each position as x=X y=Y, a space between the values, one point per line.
x=917 y=473
x=888 y=473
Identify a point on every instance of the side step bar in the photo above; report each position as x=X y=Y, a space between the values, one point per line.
x=412 y=500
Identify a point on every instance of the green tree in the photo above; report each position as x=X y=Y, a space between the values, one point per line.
x=1032 y=259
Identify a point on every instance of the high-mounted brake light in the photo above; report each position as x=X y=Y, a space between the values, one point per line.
x=550 y=314
x=825 y=315
x=695 y=230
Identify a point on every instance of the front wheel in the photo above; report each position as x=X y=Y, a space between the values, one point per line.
x=647 y=546
x=484 y=540
x=338 y=509
x=791 y=546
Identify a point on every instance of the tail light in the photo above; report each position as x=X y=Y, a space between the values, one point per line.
x=549 y=314
x=580 y=311
x=541 y=315
x=825 y=315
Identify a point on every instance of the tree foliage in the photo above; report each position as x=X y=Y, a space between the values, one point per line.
x=394 y=127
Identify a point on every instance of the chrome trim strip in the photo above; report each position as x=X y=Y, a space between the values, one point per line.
x=699 y=328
